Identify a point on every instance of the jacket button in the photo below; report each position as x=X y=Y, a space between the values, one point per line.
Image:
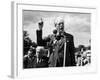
x=67 y=41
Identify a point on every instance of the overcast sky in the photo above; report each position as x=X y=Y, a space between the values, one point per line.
x=77 y=24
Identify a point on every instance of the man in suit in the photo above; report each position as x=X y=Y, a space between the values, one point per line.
x=40 y=60
x=28 y=59
x=59 y=51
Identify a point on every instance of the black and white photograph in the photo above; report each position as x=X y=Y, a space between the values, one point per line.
x=56 y=39
x=52 y=40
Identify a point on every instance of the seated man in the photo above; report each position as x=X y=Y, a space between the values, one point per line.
x=60 y=43
x=40 y=59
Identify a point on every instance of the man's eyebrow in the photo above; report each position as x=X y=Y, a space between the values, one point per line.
x=61 y=23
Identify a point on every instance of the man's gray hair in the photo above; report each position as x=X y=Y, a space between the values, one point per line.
x=59 y=20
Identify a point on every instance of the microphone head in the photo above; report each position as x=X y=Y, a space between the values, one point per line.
x=55 y=31
x=58 y=37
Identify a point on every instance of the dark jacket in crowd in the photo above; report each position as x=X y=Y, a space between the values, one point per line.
x=32 y=62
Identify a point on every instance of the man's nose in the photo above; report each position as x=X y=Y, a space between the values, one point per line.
x=61 y=27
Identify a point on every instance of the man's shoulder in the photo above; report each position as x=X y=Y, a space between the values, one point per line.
x=68 y=34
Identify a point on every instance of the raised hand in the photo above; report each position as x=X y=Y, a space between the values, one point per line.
x=40 y=24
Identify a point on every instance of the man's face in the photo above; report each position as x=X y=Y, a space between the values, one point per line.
x=29 y=53
x=60 y=27
x=39 y=53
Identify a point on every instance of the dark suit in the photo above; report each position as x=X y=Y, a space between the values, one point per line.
x=56 y=58
x=41 y=64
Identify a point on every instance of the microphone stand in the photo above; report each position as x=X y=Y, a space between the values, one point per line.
x=64 y=60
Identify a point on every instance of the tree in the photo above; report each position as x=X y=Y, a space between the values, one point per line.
x=27 y=42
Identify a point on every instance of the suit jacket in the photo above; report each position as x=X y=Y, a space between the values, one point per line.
x=56 y=58
x=41 y=64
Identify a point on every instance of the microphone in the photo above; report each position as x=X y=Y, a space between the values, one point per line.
x=58 y=36
x=55 y=32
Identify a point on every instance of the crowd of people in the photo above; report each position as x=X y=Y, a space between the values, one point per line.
x=83 y=56
x=38 y=57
